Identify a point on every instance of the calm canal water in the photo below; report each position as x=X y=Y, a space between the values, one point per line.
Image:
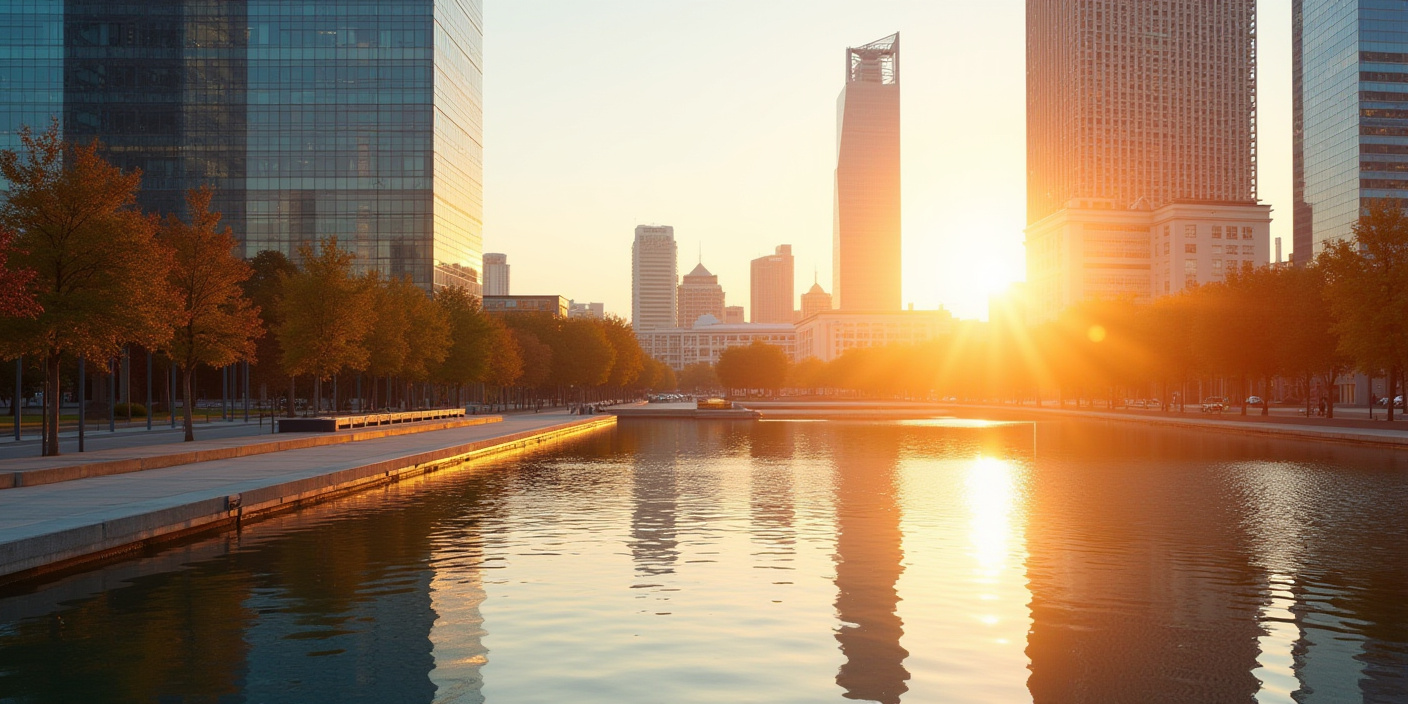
x=919 y=561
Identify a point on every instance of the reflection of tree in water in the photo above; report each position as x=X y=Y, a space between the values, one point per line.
x=869 y=556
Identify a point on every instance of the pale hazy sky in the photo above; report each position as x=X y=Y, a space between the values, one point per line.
x=719 y=117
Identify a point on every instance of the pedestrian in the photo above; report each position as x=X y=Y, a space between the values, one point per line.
x=1323 y=406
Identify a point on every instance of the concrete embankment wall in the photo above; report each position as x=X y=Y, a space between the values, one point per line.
x=35 y=555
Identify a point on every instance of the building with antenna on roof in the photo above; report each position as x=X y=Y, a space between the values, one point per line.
x=815 y=300
x=699 y=294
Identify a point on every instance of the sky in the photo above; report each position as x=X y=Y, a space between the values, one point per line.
x=719 y=117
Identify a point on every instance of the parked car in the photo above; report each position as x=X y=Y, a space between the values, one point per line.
x=1254 y=401
x=1214 y=404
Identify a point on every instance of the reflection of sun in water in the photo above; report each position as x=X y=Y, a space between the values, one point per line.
x=991 y=494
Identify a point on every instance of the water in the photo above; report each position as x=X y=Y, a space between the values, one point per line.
x=922 y=561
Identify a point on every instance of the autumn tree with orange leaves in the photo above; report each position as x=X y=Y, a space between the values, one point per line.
x=214 y=323
x=100 y=276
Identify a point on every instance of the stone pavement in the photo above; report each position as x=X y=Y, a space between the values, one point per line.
x=33 y=471
x=56 y=525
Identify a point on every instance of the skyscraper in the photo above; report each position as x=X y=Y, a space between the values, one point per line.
x=866 y=234
x=653 y=278
x=354 y=118
x=1349 y=114
x=496 y=275
x=1141 y=148
x=771 y=287
x=1129 y=100
x=700 y=294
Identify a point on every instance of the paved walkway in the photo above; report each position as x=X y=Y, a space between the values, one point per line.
x=55 y=523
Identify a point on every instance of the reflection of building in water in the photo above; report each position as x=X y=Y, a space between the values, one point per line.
x=655 y=500
x=457 y=593
x=1317 y=554
x=869 y=554
x=1139 y=582
x=770 y=493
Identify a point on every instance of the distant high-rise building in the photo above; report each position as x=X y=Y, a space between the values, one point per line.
x=866 y=234
x=700 y=294
x=309 y=118
x=654 y=277
x=814 y=301
x=733 y=315
x=496 y=275
x=1349 y=98
x=1141 y=120
x=771 y=287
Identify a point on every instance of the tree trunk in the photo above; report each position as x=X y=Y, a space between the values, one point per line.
x=52 y=400
x=1266 y=397
x=1330 y=397
x=187 y=372
x=1393 y=389
x=292 y=393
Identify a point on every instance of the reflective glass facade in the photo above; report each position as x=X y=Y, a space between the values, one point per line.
x=31 y=66
x=355 y=118
x=1350 y=114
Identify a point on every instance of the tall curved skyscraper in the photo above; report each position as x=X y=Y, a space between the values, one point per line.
x=866 y=239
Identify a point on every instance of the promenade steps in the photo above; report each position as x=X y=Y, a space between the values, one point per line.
x=36 y=471
x=100 y=528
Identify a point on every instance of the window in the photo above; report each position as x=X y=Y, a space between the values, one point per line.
x=1231 y=232
x=1248 y=249
x=1217 y=267
x=1246 y=233
x=1166 y=230
x=1165 y=248
x=1190 y=248
x=1217 y=248
x=1217 y=232
x=1190 y=272
x=1190 y=231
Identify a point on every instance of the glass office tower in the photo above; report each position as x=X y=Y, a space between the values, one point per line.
x=1350 y=81
x=360 y=119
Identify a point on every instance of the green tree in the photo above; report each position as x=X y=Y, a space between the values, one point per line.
x=1367 y=288
x=214 y=322
x=100 y=278
x=327 y=313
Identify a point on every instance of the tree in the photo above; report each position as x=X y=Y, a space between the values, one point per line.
x=536 y=359
x=757 y=366
x=699 y=375
x=1308 y=341
x=1367 y=288
x=326 y=313
x=214 y=323
x=629 y=359
x=411 y=335
x=582 y=355
x=16 y=296
x=264 y=289
x=100 y=278
x=470 y=338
